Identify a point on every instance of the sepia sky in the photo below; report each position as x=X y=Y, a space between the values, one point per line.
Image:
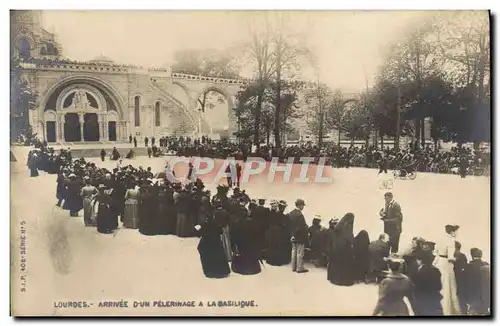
x=345 y=43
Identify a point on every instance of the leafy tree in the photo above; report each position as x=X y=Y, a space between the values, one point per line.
x=22 y=99
x=210 y=63
x=410 y=61
x=326 y=110
x=358 y=121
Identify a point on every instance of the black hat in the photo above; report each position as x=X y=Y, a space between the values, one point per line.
x=451 y=228
x=282 y=203
x=428 y=246
x=262 y=201
x=476 y=253
x=299 y=202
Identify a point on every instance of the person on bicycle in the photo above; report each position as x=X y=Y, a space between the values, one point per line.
x=406 y=165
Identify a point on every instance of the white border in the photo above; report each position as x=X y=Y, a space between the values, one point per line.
x=185 y=4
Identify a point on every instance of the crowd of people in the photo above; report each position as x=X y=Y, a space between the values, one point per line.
x=62 y=61
x=459 y=160
x=238 y=234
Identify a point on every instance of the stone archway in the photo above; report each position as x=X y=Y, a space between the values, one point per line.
x=91 y=102
x=204 y=102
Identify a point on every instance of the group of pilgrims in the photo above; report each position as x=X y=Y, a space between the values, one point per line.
x=239 y=234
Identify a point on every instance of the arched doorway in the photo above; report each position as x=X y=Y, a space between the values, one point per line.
x=51 y=131
x=24 y=48
x=112 y=126
x=91 y=100
x=90 y=127
x=72 y=128
x=157 y=114
x=137 y=111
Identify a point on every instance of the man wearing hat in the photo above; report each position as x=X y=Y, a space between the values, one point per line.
x=427 y=281
x=393 y=218
x=392 y=291
x=260 y=214
x=282 y=206
x=299 y=236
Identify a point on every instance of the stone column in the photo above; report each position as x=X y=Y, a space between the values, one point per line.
x=58 y=126
x=105 y=134
x=128 y=130
x=61 y=134
x=82 y=120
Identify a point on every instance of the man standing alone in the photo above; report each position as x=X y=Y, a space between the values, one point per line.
x=393 y=218
x=299 y=236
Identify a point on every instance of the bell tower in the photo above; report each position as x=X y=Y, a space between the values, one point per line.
x=28 y=37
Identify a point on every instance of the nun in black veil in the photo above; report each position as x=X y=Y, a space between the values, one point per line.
x=341 y=253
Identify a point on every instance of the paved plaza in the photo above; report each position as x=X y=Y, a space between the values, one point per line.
x=68 y=261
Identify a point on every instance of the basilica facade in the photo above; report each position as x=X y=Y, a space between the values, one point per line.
x=100 y=100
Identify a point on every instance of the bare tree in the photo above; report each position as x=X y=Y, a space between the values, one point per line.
x=260 y=55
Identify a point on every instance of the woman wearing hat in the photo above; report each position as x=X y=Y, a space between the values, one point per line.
x=88 y=193
x=104 y=218
x=444 y=261
x=75 y=202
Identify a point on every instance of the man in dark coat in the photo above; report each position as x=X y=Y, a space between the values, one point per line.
x=146 y=141
x=277 y=238
x=459 y=267
x=260 y=215
x=130 y=139
x=427 y=281
x=135 y=142
x=379 y=250
x=393 y=219
x=103 y=154
x=478 y=284
x=299 y=236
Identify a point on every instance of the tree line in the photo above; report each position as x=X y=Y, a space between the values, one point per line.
x=438 y=70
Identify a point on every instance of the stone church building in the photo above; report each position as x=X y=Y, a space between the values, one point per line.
x=100 y=100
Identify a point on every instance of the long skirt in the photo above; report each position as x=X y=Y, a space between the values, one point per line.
x=87 y=211
x=183 y=229
x=212 y=257
x=131 y=214
x=226 y=243
x=449 y=302
x=246 y=263
x=34 y=172
x=104 y=219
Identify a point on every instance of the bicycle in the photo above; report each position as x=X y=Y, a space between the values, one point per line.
x=403 y=174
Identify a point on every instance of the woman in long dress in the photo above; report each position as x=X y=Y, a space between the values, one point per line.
x=444 y=260
x=104 y=218
x=88 y=193
x=361 y=256
x=244 y=231
x=131 y=211
x=341 y=253
x=212 y=256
